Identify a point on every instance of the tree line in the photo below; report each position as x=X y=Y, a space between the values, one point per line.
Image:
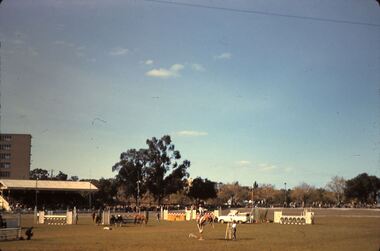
x=156 y=175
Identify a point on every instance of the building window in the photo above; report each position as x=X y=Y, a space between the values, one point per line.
x=5 y=147
x=6 y=138
x=5 y=156
x=5 y=165
x=4 y=174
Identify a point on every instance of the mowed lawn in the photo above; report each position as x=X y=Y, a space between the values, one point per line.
x=333 y=230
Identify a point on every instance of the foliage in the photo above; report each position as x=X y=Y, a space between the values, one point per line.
x=131 y=171
x=337 y=186
x=302 y=194
x=39 y=173
x=156 y=167
x=233 y=193
x=202 y=189
x=106 y=194
x=60 y=176
x=362 y=188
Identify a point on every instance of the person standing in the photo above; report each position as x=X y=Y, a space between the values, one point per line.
x=233 y=228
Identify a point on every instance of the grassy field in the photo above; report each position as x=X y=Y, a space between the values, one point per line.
x=333 y=230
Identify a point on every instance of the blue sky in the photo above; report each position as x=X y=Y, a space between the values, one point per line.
x=245 y=96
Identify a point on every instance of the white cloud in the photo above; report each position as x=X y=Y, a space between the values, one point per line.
x=159 y=73
x=63 y=43
x=59 y=42
x=149 y=62
x=225 y=55
x=266 y=167
x=288 y=169
x=191 y=133
x=33 y=51
x=244 y=162
x=119 y=51
x=173 y=71
x=197 y=67
x=176 y=67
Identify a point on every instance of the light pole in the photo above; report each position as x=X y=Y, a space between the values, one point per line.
x=35 y=204
x=89 y=198
x=253 y=187
x=138 y=196
x=285 y=195
x=35 y=199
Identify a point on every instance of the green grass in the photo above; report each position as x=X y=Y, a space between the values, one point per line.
x=331 y=232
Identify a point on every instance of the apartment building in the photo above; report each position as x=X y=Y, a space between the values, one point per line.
x=15 y=152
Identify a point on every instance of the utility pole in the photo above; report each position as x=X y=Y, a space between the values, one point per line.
x=285 y=195
x=138 y=196
x=253 y=187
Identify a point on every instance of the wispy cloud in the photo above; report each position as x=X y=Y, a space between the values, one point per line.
x=264 y=167
x=225 y=55
x=18 y=41
x=149 y=62
x=64 y=43
x=197 y=67
x=189 y=133
x=173 y=71
x=243 y=162
x=32 y=51
x=118 y=51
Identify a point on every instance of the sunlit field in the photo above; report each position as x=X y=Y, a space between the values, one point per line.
x=333 y=230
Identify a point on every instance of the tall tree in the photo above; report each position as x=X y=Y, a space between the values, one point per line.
x=337 y=186
x=39 y=173
x=202 y=189
x=233 y=193
x=162 y=159
x=302 y=193
x=106 y=194
x=156 y=169
x=60 y=176
x=362 y=188
x=131 y=170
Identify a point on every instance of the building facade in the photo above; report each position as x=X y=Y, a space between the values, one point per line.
x=15 y=153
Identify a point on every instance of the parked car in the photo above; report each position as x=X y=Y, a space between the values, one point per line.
x=234 y=215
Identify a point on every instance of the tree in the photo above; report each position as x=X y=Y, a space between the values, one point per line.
x=202 y=189
x=233 y=193
x=131 y=170
x=362 y=188
x=60 y=176
x=268 y=193
x=155 y=167
x=337 y=186
x=302 y=193
x=106 y=194
x=39 y=173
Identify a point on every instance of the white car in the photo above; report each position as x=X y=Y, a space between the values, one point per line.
x=234 y=216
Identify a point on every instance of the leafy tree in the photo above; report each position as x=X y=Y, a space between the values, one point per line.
x=233 y=192
x=362 y=188
x=202 y=189
x=39 y=173
x=60 y=176
x=74 y=178
x=179 y=198
x=267 y=192
x=131 y=169
x=337 y=186
x=156 y=167
x=106 y=194
x=302 y=193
